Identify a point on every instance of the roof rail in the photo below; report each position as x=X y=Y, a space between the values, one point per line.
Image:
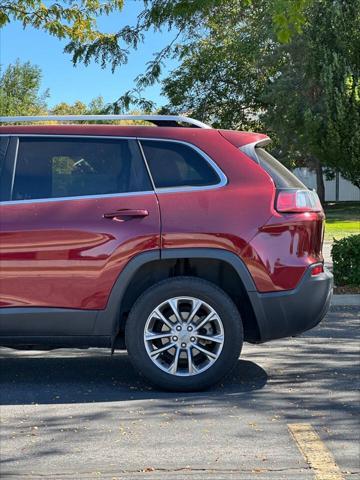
x=159 y=120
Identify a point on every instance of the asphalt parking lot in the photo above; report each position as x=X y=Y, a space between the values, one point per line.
x=289 y=410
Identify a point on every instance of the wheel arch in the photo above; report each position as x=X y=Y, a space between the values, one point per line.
x=219 y=266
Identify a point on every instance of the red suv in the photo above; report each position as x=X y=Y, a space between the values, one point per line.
x=177 y=242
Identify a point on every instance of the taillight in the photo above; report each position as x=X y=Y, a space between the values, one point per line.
x=317 y=270
x=298 y=201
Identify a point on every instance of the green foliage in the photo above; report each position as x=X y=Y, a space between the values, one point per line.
x=192 y=20
x=97 y=106
x=346 y=261
x=74 y=20
x=63 y=108
x=20 y=95
x=316 y=96
x=289 y=68
x=303 y=90
x=20 y=90
x=289 y=18
x=222 y=75
x=340 y=78
x=342 y=220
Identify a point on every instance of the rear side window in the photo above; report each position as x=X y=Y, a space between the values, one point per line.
x=72 y=167
x=174 y=164
x=282 y=177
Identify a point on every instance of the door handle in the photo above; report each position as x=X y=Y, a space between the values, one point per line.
x=126 y=214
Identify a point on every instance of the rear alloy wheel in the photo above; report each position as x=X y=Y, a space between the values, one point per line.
x=184 y=336
x=182 y=341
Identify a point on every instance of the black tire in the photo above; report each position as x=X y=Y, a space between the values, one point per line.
x=177 y=287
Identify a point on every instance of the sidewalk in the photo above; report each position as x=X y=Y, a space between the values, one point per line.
x=349 y=300
x=327 y=255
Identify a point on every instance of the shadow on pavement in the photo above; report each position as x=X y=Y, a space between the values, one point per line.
x=95 y=376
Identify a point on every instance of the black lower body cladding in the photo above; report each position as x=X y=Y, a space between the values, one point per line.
x=289 y=313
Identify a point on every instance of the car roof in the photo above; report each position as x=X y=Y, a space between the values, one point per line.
x=193 y=135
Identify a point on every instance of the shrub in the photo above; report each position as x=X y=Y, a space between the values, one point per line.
x=346 y=260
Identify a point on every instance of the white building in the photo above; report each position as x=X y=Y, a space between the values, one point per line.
x=337 y=189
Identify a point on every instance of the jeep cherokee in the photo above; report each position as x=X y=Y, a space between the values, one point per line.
x=176 y=241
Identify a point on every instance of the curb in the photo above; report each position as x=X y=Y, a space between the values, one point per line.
x=346 y=300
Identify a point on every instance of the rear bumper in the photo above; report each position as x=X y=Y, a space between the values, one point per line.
x=289 y=313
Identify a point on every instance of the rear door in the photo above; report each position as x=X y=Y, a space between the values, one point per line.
x=77 y=211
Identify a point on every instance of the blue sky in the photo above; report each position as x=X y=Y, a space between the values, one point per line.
x=68 y=83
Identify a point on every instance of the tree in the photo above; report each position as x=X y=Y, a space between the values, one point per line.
x=304 y=92
x=340 y=78
x=290 y=67
x=63 y=108
x=316 y=95
x=73 y=20
x=97 y=106
x=191 y=21
x=222 y=76
x=20 y=90
x=20 y=94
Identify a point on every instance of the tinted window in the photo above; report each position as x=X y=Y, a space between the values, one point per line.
x=71 y=167
x=4 y=142
x=282 y=177
x=174 y=164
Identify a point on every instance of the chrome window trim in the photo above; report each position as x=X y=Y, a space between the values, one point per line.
x=62 y=135
x=14 y=167
x=223 y=179
x=82 y=197
x=146 y=164
x=70 y=198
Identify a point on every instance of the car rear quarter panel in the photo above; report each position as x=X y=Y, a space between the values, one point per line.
x=227 y=217
x=240 y=217
x=282 y=250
